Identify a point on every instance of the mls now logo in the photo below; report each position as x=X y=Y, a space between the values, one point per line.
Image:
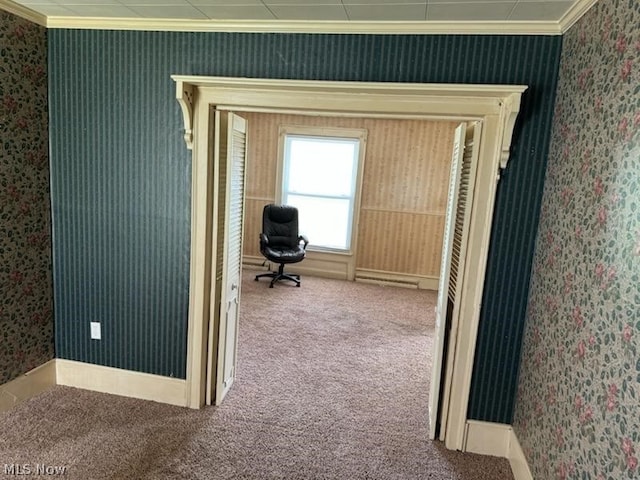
x=37 y=469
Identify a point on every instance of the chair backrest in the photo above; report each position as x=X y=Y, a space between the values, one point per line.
x=280 y=225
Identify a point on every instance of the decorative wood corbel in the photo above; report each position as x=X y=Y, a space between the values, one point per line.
x=508 y=114
x=185 y=96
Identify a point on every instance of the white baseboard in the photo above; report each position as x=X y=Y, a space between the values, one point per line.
x=122 y=382
x=93 y=377
x=498 y=440
x=487 y=438
x=28 y=385
x=517 y=459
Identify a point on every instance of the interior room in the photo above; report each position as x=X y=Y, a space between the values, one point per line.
x=97 y=245
x=405 y=180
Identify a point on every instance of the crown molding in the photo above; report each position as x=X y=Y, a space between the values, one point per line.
x=24 y=12
x=301 y=26
x=574 y=14
x=560 y=27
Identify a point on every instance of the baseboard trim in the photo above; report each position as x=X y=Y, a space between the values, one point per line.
x=498 y=440
x=117 y=381
x=316 y=272
x=407 y=280
x=28 y=385
x=487 y=438
x=517 y=459
x=315 y=264
x=339 y=266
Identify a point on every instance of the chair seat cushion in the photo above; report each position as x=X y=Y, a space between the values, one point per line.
x=284 y=254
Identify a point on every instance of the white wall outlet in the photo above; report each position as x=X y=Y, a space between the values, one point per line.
x=95 y=331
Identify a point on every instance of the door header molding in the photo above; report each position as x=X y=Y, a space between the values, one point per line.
x=387 y=99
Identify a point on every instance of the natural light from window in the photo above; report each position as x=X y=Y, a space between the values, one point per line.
x=319 y=179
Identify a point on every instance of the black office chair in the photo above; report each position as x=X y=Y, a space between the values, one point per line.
x=280 y=241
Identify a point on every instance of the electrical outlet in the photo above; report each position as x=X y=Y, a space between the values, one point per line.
x=95 y=331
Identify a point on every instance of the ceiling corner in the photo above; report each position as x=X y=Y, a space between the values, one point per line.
x=24 y=12
x=575 y=13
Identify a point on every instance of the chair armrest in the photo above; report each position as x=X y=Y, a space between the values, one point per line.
x=302 y=238
x=264 y=240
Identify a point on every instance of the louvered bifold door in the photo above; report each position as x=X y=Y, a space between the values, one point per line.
x=459 y=240
x=435 y=400
x=462 y=217
x=231 y=139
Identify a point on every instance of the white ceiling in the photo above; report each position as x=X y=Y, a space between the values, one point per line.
x=310 y=10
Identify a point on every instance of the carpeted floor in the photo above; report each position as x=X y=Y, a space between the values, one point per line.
x=332 y=383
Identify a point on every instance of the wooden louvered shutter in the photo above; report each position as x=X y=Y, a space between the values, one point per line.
x=461 y=186
x=236 y=196
x=462 y=217
x=230 y=156
x=442 y=306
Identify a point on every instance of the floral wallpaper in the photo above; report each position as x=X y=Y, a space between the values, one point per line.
x=578 y=406
x=26 y=323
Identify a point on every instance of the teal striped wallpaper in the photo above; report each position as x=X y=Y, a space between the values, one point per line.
x=121 y=177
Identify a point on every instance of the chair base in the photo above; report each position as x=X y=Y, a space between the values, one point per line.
x=280 y=275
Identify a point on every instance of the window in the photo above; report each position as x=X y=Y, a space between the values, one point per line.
x=320 y=178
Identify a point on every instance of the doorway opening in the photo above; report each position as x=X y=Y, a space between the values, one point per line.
x=496 y=107
x=398 y=207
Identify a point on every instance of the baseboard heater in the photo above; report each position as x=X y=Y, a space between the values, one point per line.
x=387 y=281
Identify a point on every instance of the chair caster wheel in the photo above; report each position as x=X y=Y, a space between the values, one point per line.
x=297 y=285
x=271 y=285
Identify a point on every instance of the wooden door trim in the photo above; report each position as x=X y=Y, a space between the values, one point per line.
x=496 y=106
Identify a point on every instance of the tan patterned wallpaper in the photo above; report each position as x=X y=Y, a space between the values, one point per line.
x=404 y=190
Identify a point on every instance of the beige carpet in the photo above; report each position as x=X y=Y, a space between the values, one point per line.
x=333 y=382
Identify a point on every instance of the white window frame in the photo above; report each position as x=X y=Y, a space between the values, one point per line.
x=327 y=133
